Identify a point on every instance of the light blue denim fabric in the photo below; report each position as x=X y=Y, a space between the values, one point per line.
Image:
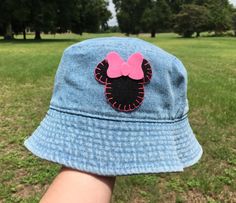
x=81 y=130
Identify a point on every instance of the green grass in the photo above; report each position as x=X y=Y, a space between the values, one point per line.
x=27 y=71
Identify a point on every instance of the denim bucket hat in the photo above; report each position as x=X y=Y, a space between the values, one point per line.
x=119 y=107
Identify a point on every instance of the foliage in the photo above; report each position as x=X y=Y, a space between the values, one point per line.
x=234 y=22
x=220 y=17
x=134 y=16
x=156 y=17
x=12 y=12
x=176 y=5
x=217 y=17
x=192 y=18
x=52 y=16
x=43 y=16
x=89 y=16
x=129 y=14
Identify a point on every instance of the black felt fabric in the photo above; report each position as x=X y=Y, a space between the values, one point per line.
x=123 y=93
x=147 y=70
x=101 y=72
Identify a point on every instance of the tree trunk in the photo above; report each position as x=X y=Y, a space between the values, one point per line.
x=187 y=34
x=198 y=34
x=24 y=34
x=218 y=32
x=153 y=33
x=37 y=35
x=8 y=35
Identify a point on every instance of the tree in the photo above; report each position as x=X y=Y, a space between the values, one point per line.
x=64 y=15
x=13 y=17
x=176 y=5
x=234 y=23
x=156 y=17
x=220 y=17
x=21 y=17
x=43 y=16
x=129 y=14
x=192 y=18
x=52 y=16
x=104 y=15
x=96 y=15
x=6 y=9
x=89 y=15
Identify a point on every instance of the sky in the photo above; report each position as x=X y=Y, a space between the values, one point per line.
x=113 y=20
x=233 y=2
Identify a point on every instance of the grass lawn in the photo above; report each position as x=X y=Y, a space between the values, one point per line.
x=27 y=71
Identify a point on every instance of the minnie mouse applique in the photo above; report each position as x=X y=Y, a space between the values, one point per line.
x=124 y=81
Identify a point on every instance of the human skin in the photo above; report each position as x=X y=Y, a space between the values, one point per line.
x=74 y=186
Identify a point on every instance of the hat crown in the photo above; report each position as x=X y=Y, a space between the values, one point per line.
x=77 y=91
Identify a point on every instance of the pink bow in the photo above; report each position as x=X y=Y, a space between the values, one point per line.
x=118 y=67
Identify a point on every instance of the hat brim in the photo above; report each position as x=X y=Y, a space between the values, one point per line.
x=112 y=147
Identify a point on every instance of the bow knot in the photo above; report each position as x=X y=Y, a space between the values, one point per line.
x=118 y=67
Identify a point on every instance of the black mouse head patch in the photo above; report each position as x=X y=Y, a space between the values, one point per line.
x=124 y=80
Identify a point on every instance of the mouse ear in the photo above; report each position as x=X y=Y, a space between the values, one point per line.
x=101 y=72
x=147 y=70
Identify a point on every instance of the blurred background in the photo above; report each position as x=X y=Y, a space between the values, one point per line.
x=185 y=17
x=201 y=33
